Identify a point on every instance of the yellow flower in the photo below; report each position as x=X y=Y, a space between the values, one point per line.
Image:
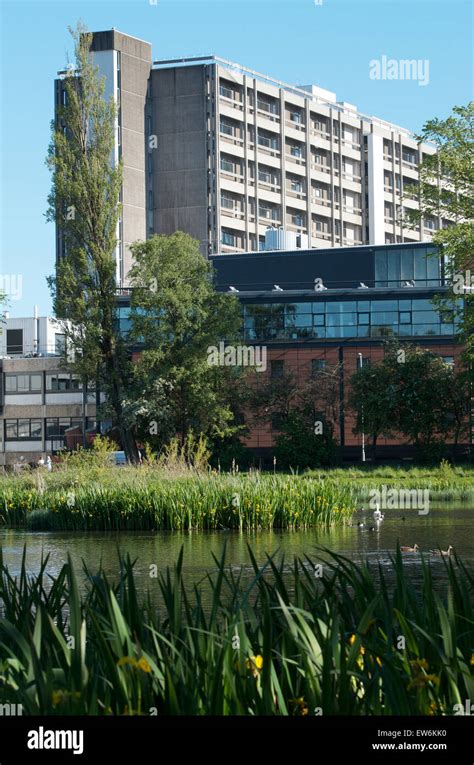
x=352 y=640
x=127 y=660
x=419 y=664
x=143 y=665
x=57 y=697
x=472 y=660
x=421 y=680
x=300 y=705
x=254 y=664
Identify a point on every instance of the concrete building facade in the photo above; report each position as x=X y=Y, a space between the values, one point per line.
x=125 y=63
x=225 y=153
x=43 y=408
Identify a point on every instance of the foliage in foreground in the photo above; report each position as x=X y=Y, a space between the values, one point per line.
x=147 y=501
x=283 y=642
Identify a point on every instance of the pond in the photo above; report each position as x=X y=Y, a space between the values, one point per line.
x=446 y=524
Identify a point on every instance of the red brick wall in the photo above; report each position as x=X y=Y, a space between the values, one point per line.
x=299 y=362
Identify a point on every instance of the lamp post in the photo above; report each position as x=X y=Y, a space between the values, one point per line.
x=362 y=415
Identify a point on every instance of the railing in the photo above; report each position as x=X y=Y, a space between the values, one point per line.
x=31 y=351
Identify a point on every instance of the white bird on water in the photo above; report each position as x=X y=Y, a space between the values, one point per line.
x=378 y=516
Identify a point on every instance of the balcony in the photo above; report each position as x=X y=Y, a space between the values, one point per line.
x=295 y=194
x=321 y=235
x=228 y=134
x=229 y=96
x=297 y=159
x=268 y=146
x=323 y=201
x=268 y=110
x=231 y=209
x=320 y=168
x=295 y=125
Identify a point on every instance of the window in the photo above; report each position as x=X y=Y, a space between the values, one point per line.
x=225 y=91
x=296 y=117
x=267 y=106
x=268 y=212
x=228 y=238
x=278 y=419
x=296 y=151
x=363 y=318
x=267 y=140
x=266 y=175
x=317 y=365
x=59 y=343
x=449 y=360
x=23 y=429
x=277 y=368
x=227 y=165
x=22 y=383
x=11 y=429
x=62 y=382
x=14 y=341
x=227 y=202
x=10 y=384
x=57 y=426
x=320 y=124
x=405 y=317
x=227 y=128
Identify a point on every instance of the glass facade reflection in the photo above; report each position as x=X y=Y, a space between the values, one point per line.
x=395 y=266
x=345 y=319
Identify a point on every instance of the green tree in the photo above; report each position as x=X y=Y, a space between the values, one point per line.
x=300 y=444
x=85 y=205
x=446 y=189
x=372 y=398
x=415 y=393
x=421 y=384
x=177 y=317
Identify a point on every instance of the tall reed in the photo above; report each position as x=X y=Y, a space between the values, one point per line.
x=285 y=643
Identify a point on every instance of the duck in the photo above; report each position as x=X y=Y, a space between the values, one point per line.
x=378 y=516
x=361 y=525
x=446 y=553
x=415 y=548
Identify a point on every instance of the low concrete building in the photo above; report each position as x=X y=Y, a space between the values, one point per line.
x=43 y=408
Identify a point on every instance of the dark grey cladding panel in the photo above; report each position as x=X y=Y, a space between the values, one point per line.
x=338 y=268
x=114 y=40
x=103 y=40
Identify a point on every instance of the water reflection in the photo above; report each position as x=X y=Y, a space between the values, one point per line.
x=444 y=525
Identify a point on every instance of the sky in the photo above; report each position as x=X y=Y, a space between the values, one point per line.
x=330 y=43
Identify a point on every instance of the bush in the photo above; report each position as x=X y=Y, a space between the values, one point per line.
x=297 y=446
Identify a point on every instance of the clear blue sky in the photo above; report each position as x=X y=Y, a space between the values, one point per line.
x=297 y=41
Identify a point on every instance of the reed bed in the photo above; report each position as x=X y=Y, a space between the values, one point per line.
x=142 y=501
x=288 y=643
x=445 y=483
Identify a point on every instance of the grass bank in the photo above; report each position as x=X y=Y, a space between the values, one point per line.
x=121 y=499
x=444 y=482
x=287 y=644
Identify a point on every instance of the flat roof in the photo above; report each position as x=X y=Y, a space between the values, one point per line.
x=316 y=98
x=321 y=250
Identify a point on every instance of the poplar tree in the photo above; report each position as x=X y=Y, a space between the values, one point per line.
x=84 y=202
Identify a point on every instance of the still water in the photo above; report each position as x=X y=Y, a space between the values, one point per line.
x=446 y=524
